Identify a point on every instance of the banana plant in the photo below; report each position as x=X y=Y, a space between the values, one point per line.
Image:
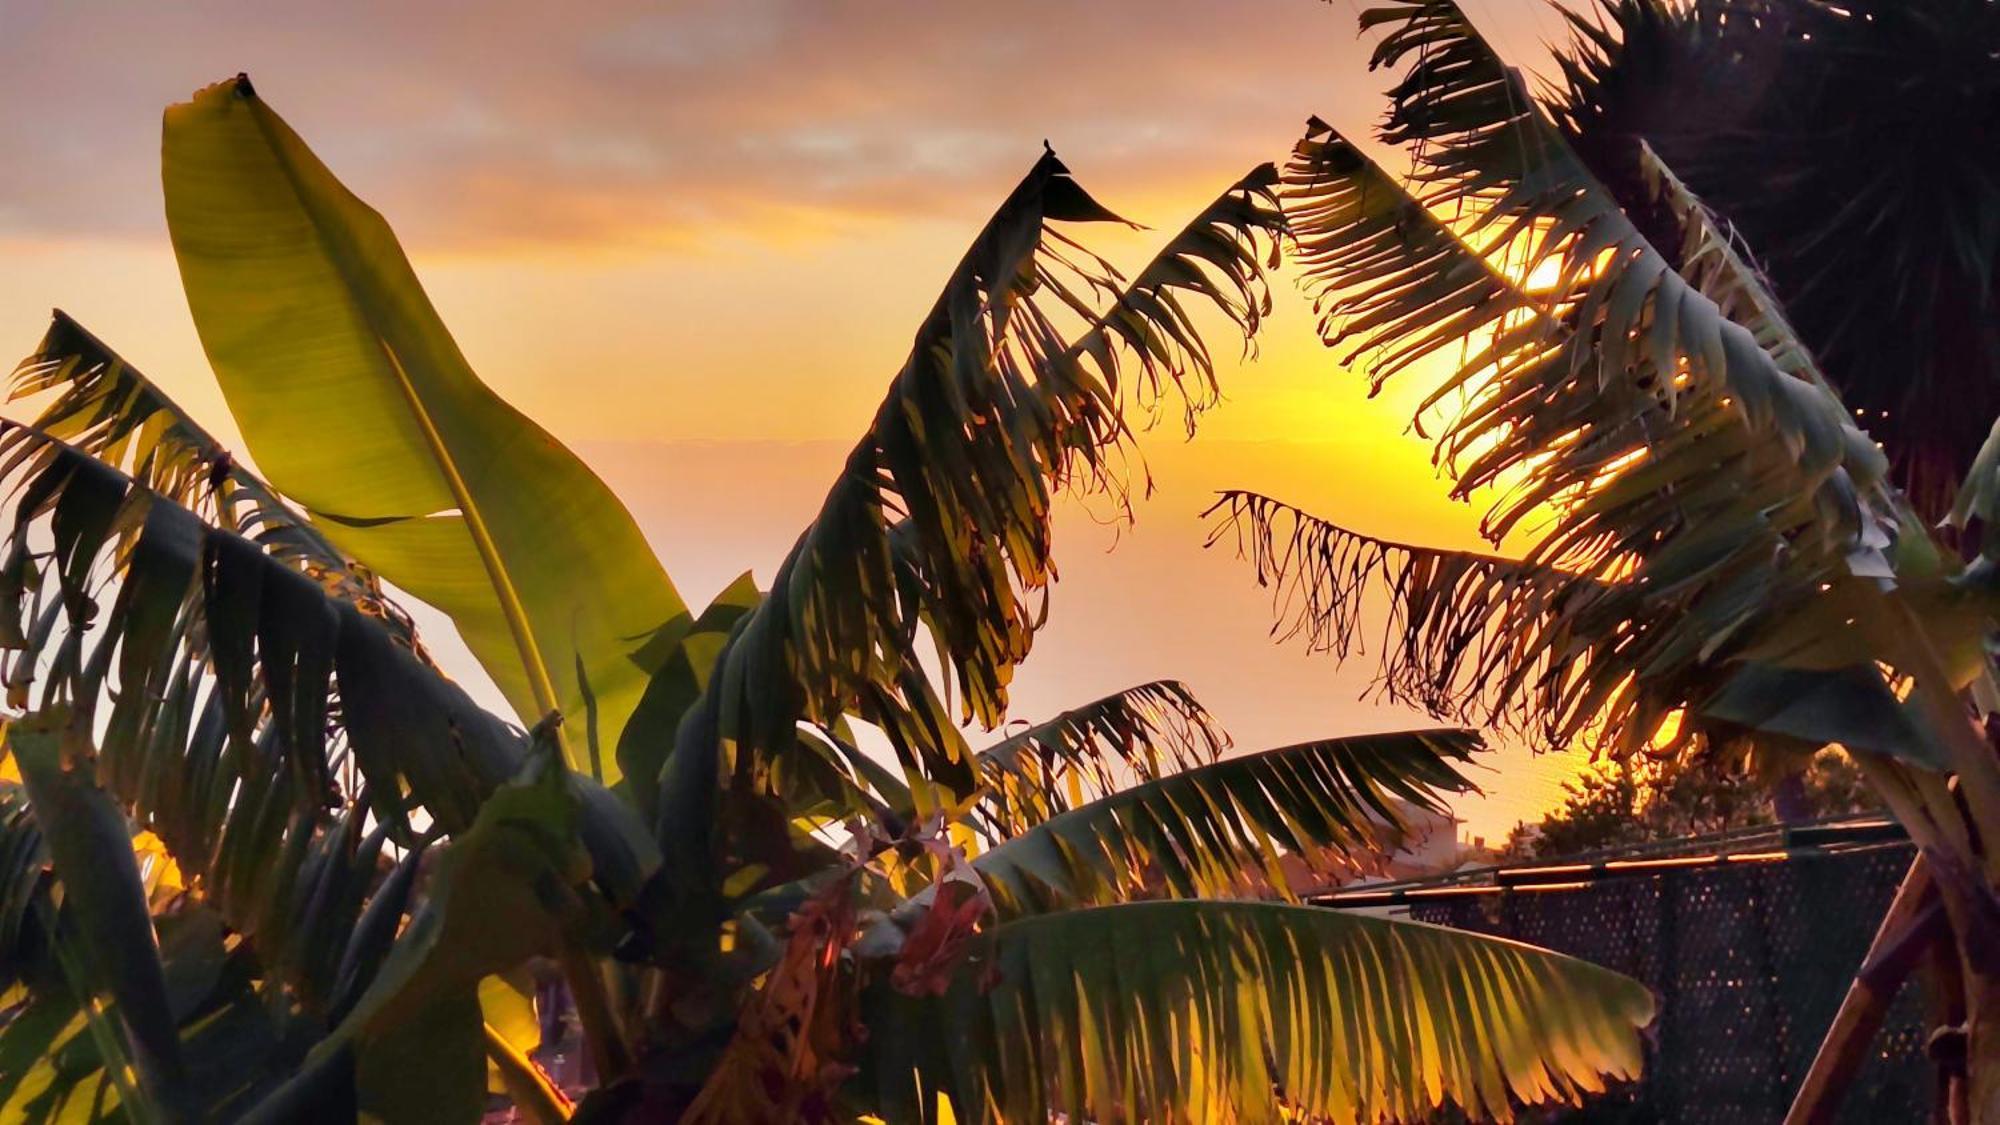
x=353 y=397
x=1718 y=563
x=265 y=861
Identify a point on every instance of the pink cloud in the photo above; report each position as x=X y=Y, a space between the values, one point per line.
x=472 y=125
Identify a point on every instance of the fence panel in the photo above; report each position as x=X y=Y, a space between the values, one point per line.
x=1749 y=961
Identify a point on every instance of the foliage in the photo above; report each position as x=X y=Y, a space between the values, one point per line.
x=1217 y=830
x=354 y=398
x=1717 y=567
x=1743 y=110
x=1623 y=803
x=1181 y=1030
x=760 y=920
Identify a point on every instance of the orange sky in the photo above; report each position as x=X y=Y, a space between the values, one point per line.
x=693 y=240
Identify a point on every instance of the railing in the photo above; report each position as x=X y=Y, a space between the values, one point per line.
x=1763 y=843
x=1748 y=938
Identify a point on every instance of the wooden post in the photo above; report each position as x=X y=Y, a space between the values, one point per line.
x=1908 y=927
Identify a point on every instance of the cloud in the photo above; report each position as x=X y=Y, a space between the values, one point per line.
x=622 y=122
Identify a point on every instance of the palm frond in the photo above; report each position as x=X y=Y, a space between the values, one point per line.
x=1247 y=1012
x=250 y=717
x=105 y=408
x=941 y=521
x=1488 y=640
x=1889 y=276
x=66 y=1062
x=218 y=665
x=942 y=514
x=1461 y=634
x=1385 y=274
x=234 y=1019
x=216 y=661
x=279 y=741
x=1651 y=407
x=1140 y=734
x=1673 y=322
x=1219 y=829
x=1479 y=147
x=943 y=507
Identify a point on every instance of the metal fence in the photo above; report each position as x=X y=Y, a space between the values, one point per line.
x=1749 y=952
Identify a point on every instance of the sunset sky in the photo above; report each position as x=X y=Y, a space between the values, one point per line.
x=693 y=240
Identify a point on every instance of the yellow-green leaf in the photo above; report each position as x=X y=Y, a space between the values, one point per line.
x=358 y=405
x=507 y=1004
x=513 y=1033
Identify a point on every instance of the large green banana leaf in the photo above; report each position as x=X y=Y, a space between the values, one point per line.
x=357 y=404
x=1228 y=1011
